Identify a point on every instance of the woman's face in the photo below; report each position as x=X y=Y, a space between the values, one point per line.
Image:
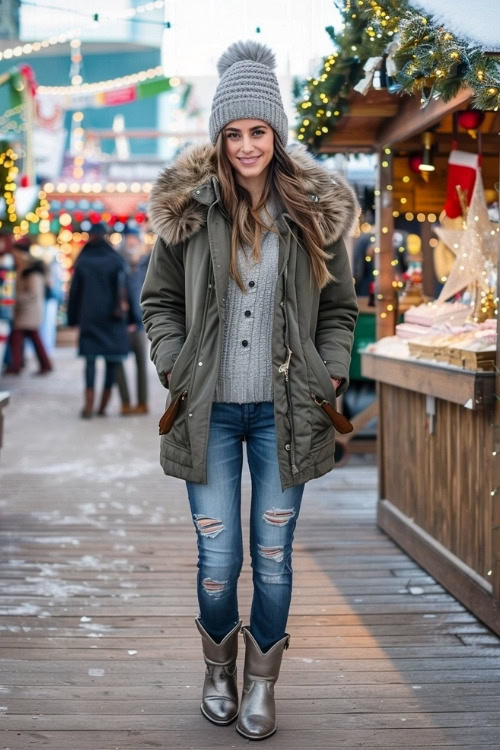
x=249 y=145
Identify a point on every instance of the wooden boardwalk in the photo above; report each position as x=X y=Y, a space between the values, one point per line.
x=98 y=645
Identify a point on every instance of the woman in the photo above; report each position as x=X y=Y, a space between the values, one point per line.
x=250 y=308
x=28 y=313
x=99 y=305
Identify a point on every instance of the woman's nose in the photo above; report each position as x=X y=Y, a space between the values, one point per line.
x=247 y=145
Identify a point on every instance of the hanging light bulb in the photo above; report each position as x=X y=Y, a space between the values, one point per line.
x=427 y=140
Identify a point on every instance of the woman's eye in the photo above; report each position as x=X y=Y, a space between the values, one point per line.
x=258 y=132
x=230 y=135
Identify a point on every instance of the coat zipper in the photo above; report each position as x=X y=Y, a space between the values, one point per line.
x=283 y=369
x=208 y=297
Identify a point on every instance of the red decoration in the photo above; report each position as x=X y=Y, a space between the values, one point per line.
x=470 y=119
x=79 y=215
x=414 y=162
x=24 y=180
x=140 y=218
x=462 y=170
x=95 y=217
x=29 y=77
x=123 y=218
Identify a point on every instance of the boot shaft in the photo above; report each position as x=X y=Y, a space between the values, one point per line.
x=259 y=665
x=223 y=653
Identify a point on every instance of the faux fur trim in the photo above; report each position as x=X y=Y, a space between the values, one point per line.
x=176 y=214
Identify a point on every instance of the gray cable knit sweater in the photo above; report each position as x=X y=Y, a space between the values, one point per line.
x=245 y=373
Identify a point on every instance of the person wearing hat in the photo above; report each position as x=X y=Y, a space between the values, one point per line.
x=250 y=308
x=99 y=304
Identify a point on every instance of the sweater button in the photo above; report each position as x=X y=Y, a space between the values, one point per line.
x=244 y=342
x=247 y=313
x=251 y=284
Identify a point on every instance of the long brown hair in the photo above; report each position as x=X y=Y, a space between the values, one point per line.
x=283 y=181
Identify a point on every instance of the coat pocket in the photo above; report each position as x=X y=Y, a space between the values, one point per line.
x=339 y=421
x=168 y=419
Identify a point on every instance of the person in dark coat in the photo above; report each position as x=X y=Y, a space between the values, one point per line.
x=99 y=304
x=137 y=264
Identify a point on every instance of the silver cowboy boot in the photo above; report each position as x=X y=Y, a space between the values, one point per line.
x=257 y=717
x=220 y=692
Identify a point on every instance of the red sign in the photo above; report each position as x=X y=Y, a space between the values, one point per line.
x=119 y=96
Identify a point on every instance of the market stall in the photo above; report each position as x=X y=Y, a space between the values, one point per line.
x=436 y=361
x=436 y=380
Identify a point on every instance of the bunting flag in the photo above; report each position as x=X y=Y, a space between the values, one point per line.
x=117 y=96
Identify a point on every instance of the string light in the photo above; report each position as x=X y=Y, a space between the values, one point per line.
x=114 y=83
x=7 y=160
x=432 y=49
x=97 y=187
x=67 y=36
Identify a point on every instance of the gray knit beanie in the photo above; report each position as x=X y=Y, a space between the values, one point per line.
x=248 y=89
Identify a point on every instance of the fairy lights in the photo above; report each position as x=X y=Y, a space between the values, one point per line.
x=97 y=187
x=8 y=161
x=113 y=83
x=22 y=50
x=425 y=55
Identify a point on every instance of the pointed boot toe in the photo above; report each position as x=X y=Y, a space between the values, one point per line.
x=219 y=710
x=219 y=702
x=256 y=726
x=257 y=716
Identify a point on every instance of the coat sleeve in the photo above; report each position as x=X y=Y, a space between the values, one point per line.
x=134 y=307
x=337 y=314
x=75 y=292
x=163 y=306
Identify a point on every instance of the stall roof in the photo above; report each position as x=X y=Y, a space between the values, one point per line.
x=479 y=27
x=381 y=119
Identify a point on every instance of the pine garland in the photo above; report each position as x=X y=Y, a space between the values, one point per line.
x=431 y=62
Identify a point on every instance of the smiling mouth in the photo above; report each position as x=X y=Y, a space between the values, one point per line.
x=248 y=160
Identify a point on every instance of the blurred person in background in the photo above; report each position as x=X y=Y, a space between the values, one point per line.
x=7 y=292
x=53 y=298
x=363 y=264
x=137 y=260
x=99 y=304
x=28 y=310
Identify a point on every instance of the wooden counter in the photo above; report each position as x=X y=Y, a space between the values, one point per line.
x=436 y=474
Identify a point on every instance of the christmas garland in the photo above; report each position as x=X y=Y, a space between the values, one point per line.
x=423 y=59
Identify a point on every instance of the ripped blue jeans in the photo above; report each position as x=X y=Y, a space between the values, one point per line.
x=216 y=511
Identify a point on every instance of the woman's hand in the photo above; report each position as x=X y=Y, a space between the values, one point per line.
x=337 y=382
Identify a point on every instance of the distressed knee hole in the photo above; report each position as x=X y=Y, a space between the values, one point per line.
x=213 y=587
x=278 y=516
x=272 y=553
x=208 y=526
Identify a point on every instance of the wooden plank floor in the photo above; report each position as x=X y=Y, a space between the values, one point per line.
x=98 y=645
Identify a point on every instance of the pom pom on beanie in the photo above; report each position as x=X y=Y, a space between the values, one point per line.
x=250 y=50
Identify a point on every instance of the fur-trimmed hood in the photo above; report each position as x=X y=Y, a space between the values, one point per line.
x=183 y=192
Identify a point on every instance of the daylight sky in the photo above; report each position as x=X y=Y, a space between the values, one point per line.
x=201 y=29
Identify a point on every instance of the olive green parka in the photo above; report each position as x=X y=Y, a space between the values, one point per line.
x=183 y=301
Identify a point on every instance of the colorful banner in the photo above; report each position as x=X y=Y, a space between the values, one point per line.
x=116 y=97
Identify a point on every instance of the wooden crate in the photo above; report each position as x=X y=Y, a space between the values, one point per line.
x=467 y=360
x=424 y=351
